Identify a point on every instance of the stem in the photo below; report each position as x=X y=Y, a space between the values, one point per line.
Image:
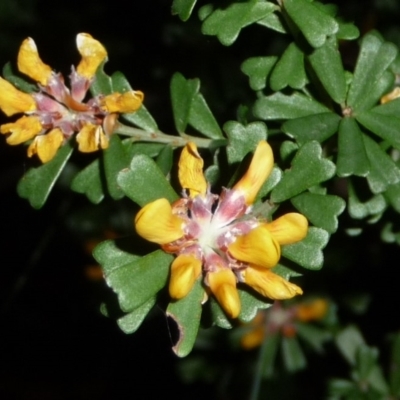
x=137 y=134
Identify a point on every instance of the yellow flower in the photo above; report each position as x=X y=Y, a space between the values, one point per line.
x=218 y=238
x=54 y=112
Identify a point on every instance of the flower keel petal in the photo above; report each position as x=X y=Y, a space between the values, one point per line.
x=288 y=229
x=46 y=146
x=13 y=101
x=22 y=130
x=123 y=103
x=93 y=54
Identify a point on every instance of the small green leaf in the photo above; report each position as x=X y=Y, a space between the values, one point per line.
x=269 y=350
x=226 y=24
x=89 y=182
x=250 y=304
x=327 y=64
x=317 y=127
x=348 y=341
x=308 y=169
x=141 y=118
x=186 y=313
x=37 y=183
x=140 y=280
x=358 y=210
x=293 y=356
x=144 y=182
x=374 y=58
x=289 y=70
x=347 y=31
x=384 y=172
x=352 y=156
x=281 y=106
x=182 y=93
x=183 y=8
x=112 y=254
x=394 y=374
x=102 y=82
x=272 y=21
x=243 y=139
x=258 y=69
x=321 y=210
x=165 y=159
x=115 y=159
x=314 y=23
x=392 y=194
x=130 y=323
x=270 y=183
x=287 y=150
x=366 y=358
x=17 y=81
x=308 y=252
x=218 y=316
x=313 y=336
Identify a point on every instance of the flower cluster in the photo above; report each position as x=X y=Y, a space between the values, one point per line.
x=54 y=112
x=218 y=237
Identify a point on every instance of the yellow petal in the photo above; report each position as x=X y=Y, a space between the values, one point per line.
x=29 y=62
x=269 y=284
x=190 y=171
x=156 y=223
x=290 y=228
x=253 y=338
x=46 y=146
x=312 y=311
x=13 y=101
x=184 y=271
x=93 y=54
x=256 y=247
x=127 y=102
x=22 y=130
x=223 y=286
x=259 y=170
x=394 y=94
x=91 y=138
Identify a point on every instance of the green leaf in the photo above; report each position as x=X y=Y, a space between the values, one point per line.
x=141 y=118
x=394 y=374
x=366 y=358
x=385 y=126
x=327 y=64
x=347 y=31
x=226 y=24
x=183 y=8
x=281 y=106
x=144 y=182
x=384 y=171
x=17 y=81
x=115 y=159
x=314 y=336
x=307 y=170
x=308 y=252
x=165 y=159
x=130 y=323
x=374 y=58
x=218 y=316
x=352 y=156
x=289 y=70
x=321 y=210
x=348 y=341
x=358 y=210
x=268 y=354
x=270 y=183
x=250 y=304
x=186 y=313
x=112 y=254
x=89 y=182
x=317 y=127
x=140 y=280
x=392 y=194
x=272 y=21
x=287 y=150
x=243 y=139
x=102 y=82
x=258 y=69
x=37 y=183
x=314 y=23
x=293 y=356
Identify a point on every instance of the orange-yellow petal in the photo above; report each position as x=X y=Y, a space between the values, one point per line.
x=253 y=339
x=93 y=54
x=259 y=170
x=394 y=94
x=22 y=130
x=13 y=101
x=290 y=228
x=190 y=171
x=257 y=247
x=30 y=64
x=312 y=311
x=91 y=138
x=223 y=286
x=184 y=271
x=127 y=102
x=46 y=146
x=156 y=223
x=269 y=284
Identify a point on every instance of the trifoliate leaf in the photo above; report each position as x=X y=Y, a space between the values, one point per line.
x=250 y=304
x=129 y=323
x=293 y=356
x=183 y=8
x=358 y=210
x=273 y=21
x=258 y=69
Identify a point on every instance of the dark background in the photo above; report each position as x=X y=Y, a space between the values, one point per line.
x=54 y=342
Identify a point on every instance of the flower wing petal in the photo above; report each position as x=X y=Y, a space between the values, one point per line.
x=184 y=271
x=190 y=171
x=256 y=247
x=91 y=138
x=290 y=228
x=269 y=284
x=156 y=223
x=260 y=168
x=22 y=130
x=46 y=146
x=93 y=54
x=127 y=102
x=13 y=101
